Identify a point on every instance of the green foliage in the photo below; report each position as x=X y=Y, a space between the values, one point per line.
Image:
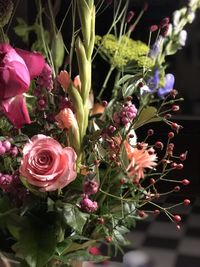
x=37 y=244
x=72 y=216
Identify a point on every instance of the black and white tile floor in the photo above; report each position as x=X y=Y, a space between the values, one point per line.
x=163 y=243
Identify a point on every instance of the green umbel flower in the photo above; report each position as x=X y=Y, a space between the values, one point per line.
x=6 y=8
x=121 y=52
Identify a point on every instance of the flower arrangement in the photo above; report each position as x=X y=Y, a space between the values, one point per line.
x=74 y=172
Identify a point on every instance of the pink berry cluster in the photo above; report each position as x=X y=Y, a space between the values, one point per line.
x=7 y=148
x=90 y=187
x=126 y=115
x=44 y=82
x=10 y=183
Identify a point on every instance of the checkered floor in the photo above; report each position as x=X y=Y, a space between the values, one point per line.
x=163 y=243
x=167 y=246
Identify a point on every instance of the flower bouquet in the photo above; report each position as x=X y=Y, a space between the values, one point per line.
x=75 y=173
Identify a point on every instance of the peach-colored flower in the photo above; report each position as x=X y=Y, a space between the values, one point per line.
x=140 y=159
x=46 y=165
x=97 y=109
x=77 y=82
x=64 y=79
x=66 y=119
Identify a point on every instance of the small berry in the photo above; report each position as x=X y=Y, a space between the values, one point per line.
x=108 y=239
x=185 y=182
x=153 y=28
x=168 y=116
x=101 y=220
x=175 y=126
x=170 y=135
x=130 y=15
x=173 y=165
x=2 y=150
x=156 y=212
x=177 y=218
x=164 y=22
x=6 y=144
x=139 y=146
x=186 y=202
x=131 y=135
x=152 y=181
x=182 y=156
x=141 y=214
x=177 y=188
x=159 y=145
x=150 y=132
x=104 y=103
x=122 y=180
x=179 y=166
x=175 y=108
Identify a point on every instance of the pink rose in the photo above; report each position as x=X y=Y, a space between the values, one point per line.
x=17 y=68
x=46 y=164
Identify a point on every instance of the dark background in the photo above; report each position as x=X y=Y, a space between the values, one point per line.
x=185 y=65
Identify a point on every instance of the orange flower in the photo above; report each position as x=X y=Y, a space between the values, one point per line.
x=66 y=119
x=64 y=79
x=140 y=159
x=77 y=82
x=97 y=109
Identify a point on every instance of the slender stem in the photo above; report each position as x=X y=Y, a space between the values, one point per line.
x=106 y=81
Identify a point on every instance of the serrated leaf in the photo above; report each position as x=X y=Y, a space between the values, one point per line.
x=74 y=217
x=147 y=115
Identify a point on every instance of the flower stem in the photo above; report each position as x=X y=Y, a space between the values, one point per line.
x=106 y=81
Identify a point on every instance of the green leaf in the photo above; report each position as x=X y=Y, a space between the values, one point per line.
x=74 y=217
x=147 y=115
x=68 y=246
x=36 y=245
x=124 y=156
x=81 y=255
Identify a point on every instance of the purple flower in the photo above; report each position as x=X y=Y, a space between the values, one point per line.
x=169 y=84
x=154 y=81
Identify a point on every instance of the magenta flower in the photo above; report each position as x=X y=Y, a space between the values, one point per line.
x=17 y=68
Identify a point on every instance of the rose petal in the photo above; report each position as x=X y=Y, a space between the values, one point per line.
x=34 y=62
x=16 y=111
x=68 y=175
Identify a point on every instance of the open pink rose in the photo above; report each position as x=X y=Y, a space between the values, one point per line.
x=17 y=68
x=46 y=164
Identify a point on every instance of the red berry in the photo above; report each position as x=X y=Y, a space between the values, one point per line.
x=182 y=156
x=177 y=218
x=104 y=103
x=179 y=166
x=139 y=146
x=150 y=132
x=185 y=182
x=101 y=220
x=159 y=145
x=108 y=239
x=131 y=135
x=156 y=212
x=174 y=164
x=175 y=108
x=122 y=180
x=168 y=116
x=153 y=28
x=177 y=188
x=186 y=202
x=142 y=214
x=152 y=181
x=175 y=126
x=170 y=135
